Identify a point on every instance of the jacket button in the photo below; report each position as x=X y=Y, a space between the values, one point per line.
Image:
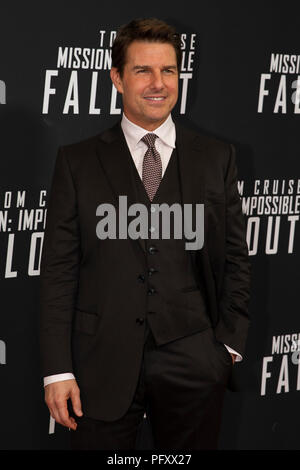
x=141 y=278
x=152 y=249
x=140 y=321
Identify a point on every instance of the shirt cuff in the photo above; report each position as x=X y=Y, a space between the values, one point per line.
x=238 y=358
x=50 y=379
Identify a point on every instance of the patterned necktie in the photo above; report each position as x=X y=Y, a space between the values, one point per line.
x=152 y=168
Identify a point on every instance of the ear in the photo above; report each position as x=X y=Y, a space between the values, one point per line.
x=116 y=79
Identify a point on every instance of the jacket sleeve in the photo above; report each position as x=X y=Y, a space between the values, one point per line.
x=59 y=271
x=235 y=292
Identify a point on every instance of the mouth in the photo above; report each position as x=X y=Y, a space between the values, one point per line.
x=155 y=98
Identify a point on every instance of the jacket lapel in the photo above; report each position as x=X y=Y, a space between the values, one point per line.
x=114 y=155
x=191 y=163
x=115 y=160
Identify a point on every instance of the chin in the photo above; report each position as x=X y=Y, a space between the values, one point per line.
x=156 y=117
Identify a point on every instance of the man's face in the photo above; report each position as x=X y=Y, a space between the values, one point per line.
x=149 y=84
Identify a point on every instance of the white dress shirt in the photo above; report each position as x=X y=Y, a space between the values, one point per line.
x=165 y=143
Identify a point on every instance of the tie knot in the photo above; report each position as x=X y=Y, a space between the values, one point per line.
x=149 y=140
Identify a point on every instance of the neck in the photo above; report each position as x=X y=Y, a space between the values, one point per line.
x=148 y=126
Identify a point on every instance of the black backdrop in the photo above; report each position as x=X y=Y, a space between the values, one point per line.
x=238 y=82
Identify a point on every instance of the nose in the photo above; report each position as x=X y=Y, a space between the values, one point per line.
x=157 y=80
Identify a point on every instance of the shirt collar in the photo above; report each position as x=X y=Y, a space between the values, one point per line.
x=133 y=133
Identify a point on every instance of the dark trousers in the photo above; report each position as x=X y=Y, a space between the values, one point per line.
x=181 y=387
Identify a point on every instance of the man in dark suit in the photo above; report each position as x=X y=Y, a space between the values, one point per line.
x=133 y=325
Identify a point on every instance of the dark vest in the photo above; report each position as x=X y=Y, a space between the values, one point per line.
x=175 y=304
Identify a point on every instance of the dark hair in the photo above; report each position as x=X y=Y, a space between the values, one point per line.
x=143 y=29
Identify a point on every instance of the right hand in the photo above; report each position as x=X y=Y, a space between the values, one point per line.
x=56 y=397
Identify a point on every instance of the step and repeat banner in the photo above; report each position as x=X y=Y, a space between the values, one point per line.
x=239 y=81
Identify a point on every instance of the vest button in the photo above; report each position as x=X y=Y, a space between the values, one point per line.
x=151 y=291
x=151 y=271
x=141 y=278
x=140 y=321
x=152 y=249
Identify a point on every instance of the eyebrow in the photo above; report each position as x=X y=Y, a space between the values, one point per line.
x=137 y=67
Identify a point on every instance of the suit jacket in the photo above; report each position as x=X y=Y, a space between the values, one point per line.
x=89 y=297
